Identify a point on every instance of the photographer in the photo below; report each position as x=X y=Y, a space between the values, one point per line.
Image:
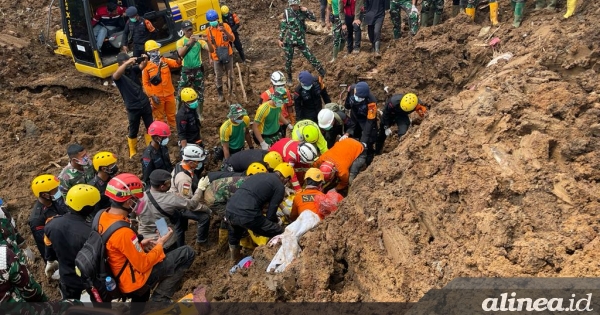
x=137 y=104
x=220 y=38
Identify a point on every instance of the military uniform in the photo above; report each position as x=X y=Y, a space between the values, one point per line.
x=192 y=71
x=8 y=232
x=413 y=18
x=437 y=6
x=70 y=176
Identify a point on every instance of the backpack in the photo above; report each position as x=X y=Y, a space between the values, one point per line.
x=92 y=262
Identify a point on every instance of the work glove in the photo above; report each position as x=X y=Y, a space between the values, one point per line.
x=290 y=127
x=51 y=267
x=289 y=191
x=55 y=275
x=421 y=110
x=364 y=145
x=388 y=132
x=345 y=136
x=264 y=146
x=203 y=183
x=155 y=100
x=28 y=255
x=414 y=10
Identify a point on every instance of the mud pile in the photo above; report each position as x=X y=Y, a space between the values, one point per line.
x=499 y=179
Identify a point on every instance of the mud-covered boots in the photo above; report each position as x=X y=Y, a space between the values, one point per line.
x=377 y=52
x=424 y=19
x=289 y=80
x=494 y=13
x=336 y=50
x=551 y=4
x=321 y=71
x=220 y=91
x=235 y=252
x=571 y=5
x=132 y=143
x=470 y=12
x=437 y=17
x=519 y=6
x=223 y=238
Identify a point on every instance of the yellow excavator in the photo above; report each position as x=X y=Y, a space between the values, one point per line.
x=76 y=38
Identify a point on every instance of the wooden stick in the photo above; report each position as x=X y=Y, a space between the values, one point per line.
x=242 y=83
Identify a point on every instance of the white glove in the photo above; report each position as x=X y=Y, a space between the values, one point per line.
x=388 y=132
x=414 y=10
x=290 y=127
x=203 y=183
x=28 y=255
x=264 y=146
x=345 y=136
x=55 y=275
x=289 y=191
x=51 y=267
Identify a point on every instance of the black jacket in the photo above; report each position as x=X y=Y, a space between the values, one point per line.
x=155 y=159
x=359 y=113
x=39 y=213
x=101 y=185
x=136 y=33
x=240 y=161
x=188 y=124
x=257 y=190
x=309 y=103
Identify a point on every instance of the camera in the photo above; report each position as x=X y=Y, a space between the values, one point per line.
x=140 y=59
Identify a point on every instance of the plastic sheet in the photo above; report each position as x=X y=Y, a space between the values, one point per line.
x=328 y=203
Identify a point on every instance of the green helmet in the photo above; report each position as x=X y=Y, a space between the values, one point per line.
x=292 y=2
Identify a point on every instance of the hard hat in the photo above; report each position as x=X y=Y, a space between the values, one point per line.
x=292 y=2
x=278 y=79
x=273 y=159
x=285 y=169
x=325 y=118
x=44 y=183
x=82 y=195
x=186 y=24
x=308 y=153
x=328 y=170
x=151 y=45
x=192 y=152
x=104 y=158
x=159 y=128
x=188 y=95
x=224 y=9
x=409 y=102
x=310 y=133
x=123 y=187
x=314 y=174
x=211 y=15
x=255 y=168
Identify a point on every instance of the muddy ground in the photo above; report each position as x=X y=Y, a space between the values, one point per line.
x=499 y=180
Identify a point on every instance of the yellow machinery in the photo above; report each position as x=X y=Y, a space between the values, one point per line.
x=76 y=38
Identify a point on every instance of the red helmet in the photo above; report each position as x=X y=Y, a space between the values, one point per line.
x=159 y=128
x=328 y=170
x=124 y=186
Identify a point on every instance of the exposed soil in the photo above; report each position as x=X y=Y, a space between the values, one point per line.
x=499 y=180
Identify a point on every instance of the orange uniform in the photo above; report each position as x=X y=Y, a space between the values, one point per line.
x=342 y=155
x=122 y=248
x=216 y=39
x=305 y=200
x=164 y=91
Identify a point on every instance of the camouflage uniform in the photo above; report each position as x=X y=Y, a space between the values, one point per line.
x=292 y=30
x=223 y=188
x=71 y=176
x=413 y=18
x=436 y=5
x=9 y=236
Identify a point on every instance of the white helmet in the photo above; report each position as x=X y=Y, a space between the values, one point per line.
x=278 y=79
x=192 y=152
x=325 y=118
x=308 y=153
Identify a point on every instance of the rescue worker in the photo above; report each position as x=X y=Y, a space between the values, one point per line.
x=108 y=18
x=78 y=171
x=189 y=49
x=105 y=164
x=292 y=32
x=220 y=37
x=158 y=85
x=374 y=16
x=188 y=122
x=298 y=154
x=244 y=210
x=334 y=21
x=304 y=200
x=17 y=284
x=396 y=111
x=350 y=18
x=158 y=203
x=341 y=163
x=437 y=6
x=309 y=96
x=67 y=234
x=127 y=79
x=231 y=19
x=571 y=5
x=334 y=121
x=10 y=236
x=472 y=7
x=239 y=162
x=49 y=203
x=144 y=264
x=278 y=81
x=137 y=32
x=268 y=116
x=363 y=112
x=412 y=13
x=185 y=181
x=156 y=156
x=518 y=7
x=234 y=132
x=308 y=131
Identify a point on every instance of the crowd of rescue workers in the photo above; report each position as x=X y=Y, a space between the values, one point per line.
x=119 y=236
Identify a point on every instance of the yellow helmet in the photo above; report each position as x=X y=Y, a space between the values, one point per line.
x=286 y=170
x=224 y=10
x=82 y=195
x=409 y=102
x=151 y=45
x=310 y=133
x=314 y=174
x=44 y=183
x=255 y=168
x=104 y=159
x=188 y=95
x=273 y=159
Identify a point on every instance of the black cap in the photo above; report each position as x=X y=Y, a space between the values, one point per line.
x=186 y=24
x=122 y=57
x=159 y=177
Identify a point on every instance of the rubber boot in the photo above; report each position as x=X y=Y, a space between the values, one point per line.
x=424 y=19
x=247 y=243
x=518 y=14
x=455 y=10
x=235 y=253
x=148 y=139
x=551 y=4
x=470 y=13
x=220 y=91
x=377 y=52
x=132 y=142
x=494 y=13
x=336 y=50
x=539 y=4
x=571 y=4
x=223 y=234
x=437 y=17
x=289 y=80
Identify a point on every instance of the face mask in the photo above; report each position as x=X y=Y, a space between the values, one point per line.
x=56 y=195
x=307 y=87
x=113 y=170
x=132 y=20
x=164 y=142
x=199 y=166
x=193 y=105
x=358 y=99
x=85 y=161
x=238 y=121
x=214 y=23
x=328 y=128
x=278 y=103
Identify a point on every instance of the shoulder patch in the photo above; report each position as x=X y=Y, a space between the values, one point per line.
x=372 y=111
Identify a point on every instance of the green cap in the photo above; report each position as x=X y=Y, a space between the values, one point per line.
x=236 y=110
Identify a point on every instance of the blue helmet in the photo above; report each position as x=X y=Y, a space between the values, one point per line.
x=211 y=15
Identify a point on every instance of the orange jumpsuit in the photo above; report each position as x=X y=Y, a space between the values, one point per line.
x=305 y=200
x=342 y=155
x=164 y=91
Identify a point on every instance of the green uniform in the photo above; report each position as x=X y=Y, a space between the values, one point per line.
x=223 y=188
x=413 y=18
x=71 y=176
x=336 y=28
x=436 y=5
x=268 y=118
x=292 y=31
x=234 y=134
x=8 y=232
x=192 y=73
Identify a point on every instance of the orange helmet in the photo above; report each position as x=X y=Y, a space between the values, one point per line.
x=328 y=170
x=124 y=186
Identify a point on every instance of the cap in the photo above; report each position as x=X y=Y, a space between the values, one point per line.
x=122 y=57
x=236 y=110
x=186 y=25
x=362 y=89
x=306 y=78
x=159 y=177
x=280 y=93
x=131 y=11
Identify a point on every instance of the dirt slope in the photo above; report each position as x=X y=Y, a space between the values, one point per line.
x=500 y=179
